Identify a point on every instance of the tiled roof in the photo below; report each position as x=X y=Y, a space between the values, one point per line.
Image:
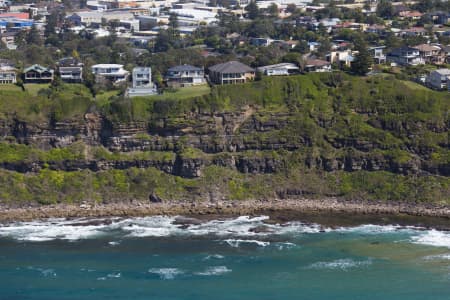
x=231 y=67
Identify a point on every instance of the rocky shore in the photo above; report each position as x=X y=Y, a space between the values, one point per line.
x=332 y=211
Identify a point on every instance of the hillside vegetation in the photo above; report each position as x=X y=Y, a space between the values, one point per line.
x=315 y=135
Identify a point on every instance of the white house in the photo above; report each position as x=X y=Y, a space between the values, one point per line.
x=142 y=82
x=7 y=74
x=185 y=75
x=279 y=69
x=439 y=79
x=113 y=72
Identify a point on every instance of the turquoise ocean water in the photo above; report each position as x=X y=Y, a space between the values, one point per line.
x=242 y=258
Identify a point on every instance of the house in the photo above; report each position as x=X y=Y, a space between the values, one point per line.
x=38 y=74
x=112 y=72
x=411 y=15
x=376 y=29
x=231 y=72
x=185 y=75
x=439 y=79
x=142 y=82
x=279 y=69
x=9 y=39
x=317 y=65
x=306 y=21
x=342 y=58
x=413 y=31
x=16 y=23
x=440 y=17
x=85 y=18
x=71 y=74
x=377 y=54
x=70 y=70
x=405 y=56
x=258 y=42
x=8 y=74
x=429 y=53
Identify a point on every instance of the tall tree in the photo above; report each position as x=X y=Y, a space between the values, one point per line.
x=252 y=10
x=363 y=60
x=52 y=22
x=385 y=9
x=34 y=36
x=272 y=10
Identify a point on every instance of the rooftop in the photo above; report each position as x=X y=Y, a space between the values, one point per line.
x=231 y=67
x=445 y=72
x=184 y=68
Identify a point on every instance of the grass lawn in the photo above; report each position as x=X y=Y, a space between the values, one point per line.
x=103 y=97
x=31 y=88
x=186 y=92
x=10 y=88
x=34 y=88
x=414 y=85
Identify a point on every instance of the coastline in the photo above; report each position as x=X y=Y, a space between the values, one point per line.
x=331 y=211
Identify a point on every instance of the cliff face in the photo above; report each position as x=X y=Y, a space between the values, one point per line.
x=249 y=141
x=318 y=134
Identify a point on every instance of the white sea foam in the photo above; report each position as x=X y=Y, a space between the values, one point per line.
x=340 y=264
x=237 y=242
x=214 y=256
x=244 y=229
x=214 y=271
x=50 y=230
x=114 y=243
x=166 y=273
x=114 y=275
x=44 y=272
x=433 y=238
x=438 y=257
x=377 y=229
x=156 y=226
x=285 y=245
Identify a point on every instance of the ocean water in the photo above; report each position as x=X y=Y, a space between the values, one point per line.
x=241 y=258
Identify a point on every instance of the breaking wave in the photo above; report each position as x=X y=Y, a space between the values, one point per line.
x=340 y=264
x=433 y=238
x=157 y=226
x=244 y=230
x=237 y=242
x=166 y=273
x=214 y=271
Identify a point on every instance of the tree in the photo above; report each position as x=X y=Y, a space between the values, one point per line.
x=162 y=42
x=385 y=9
x=272 y=10
x=324 y=47
x=363 y=60
x=33 y=37
x=302 y=47
x=75 y=54
x=291 y=8
x=52 y=22
x=252 y=10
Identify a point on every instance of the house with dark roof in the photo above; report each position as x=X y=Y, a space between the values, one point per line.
x=70 y=70
x=405 y=56
x=38 y=74
x=184 y=75
x=231 y=72
x=317 y=65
